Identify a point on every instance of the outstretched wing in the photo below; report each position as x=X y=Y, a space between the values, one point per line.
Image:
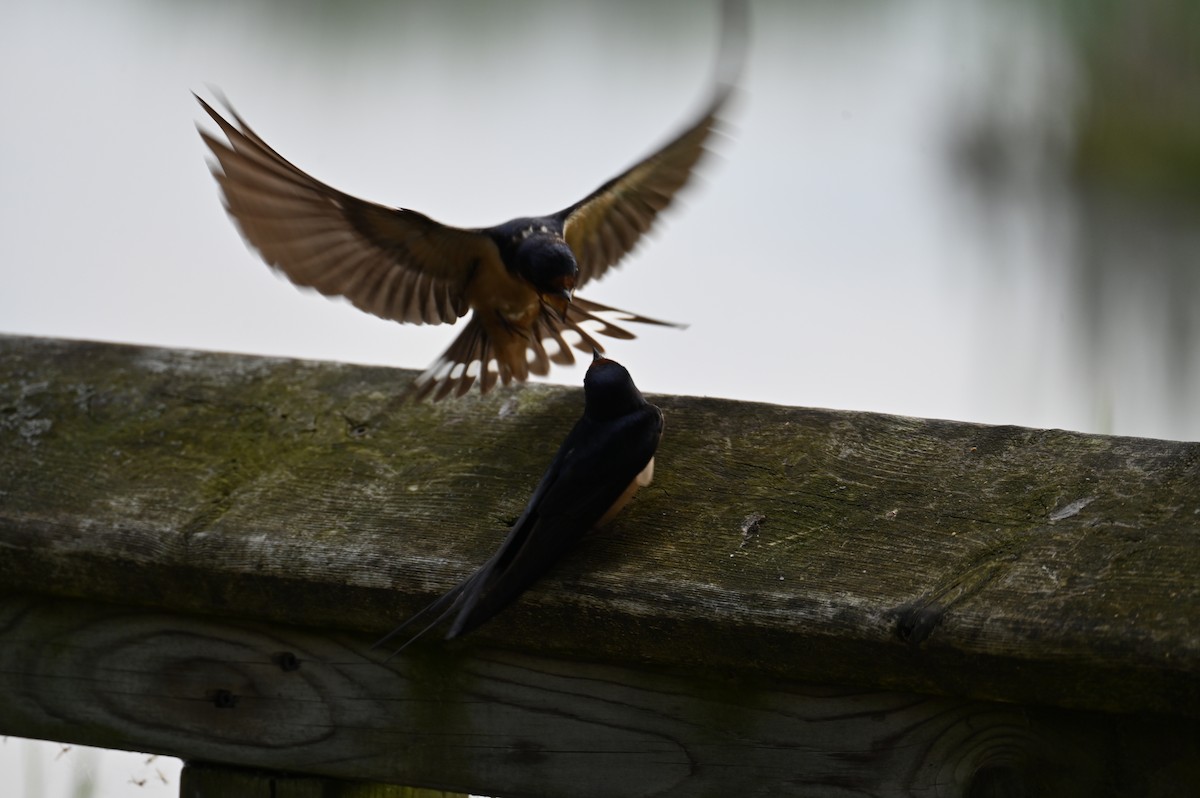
x=395 y=263
x=606 y=225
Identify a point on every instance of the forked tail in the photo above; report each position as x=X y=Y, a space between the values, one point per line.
x=474 y=357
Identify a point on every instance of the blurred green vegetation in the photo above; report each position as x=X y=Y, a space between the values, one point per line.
x=1138 y=121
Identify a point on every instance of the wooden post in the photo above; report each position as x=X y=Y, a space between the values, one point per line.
x=197 y=549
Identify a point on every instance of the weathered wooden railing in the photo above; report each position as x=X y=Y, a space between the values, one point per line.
x=196 y=551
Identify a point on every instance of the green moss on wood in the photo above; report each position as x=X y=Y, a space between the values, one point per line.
x=1030 y=565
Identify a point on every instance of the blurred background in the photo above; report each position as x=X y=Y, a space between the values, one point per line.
x=986 y=210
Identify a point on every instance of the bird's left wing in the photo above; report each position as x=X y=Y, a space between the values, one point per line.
x=606 y=225
x=395 y=263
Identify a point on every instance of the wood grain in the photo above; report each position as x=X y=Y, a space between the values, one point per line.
x=470 y=718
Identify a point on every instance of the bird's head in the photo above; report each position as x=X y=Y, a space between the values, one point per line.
x=549 y=265
x=608 y=390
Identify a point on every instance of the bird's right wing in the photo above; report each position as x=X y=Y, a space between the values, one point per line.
x=397 y=264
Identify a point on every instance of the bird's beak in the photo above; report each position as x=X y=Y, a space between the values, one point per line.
x=596 y=354
x=565 y=293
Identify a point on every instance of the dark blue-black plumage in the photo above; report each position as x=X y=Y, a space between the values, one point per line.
x=607 y=455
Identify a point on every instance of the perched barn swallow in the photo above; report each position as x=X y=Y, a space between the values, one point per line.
x=607 y=456
x=518 y=278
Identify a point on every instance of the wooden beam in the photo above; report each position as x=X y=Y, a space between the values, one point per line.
x=778 y=546
x=514 y=723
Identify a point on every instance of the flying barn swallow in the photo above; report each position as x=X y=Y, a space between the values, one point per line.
x=517 y=278
x=606 y=457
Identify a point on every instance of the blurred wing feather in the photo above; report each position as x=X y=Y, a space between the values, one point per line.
x=605 y=226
